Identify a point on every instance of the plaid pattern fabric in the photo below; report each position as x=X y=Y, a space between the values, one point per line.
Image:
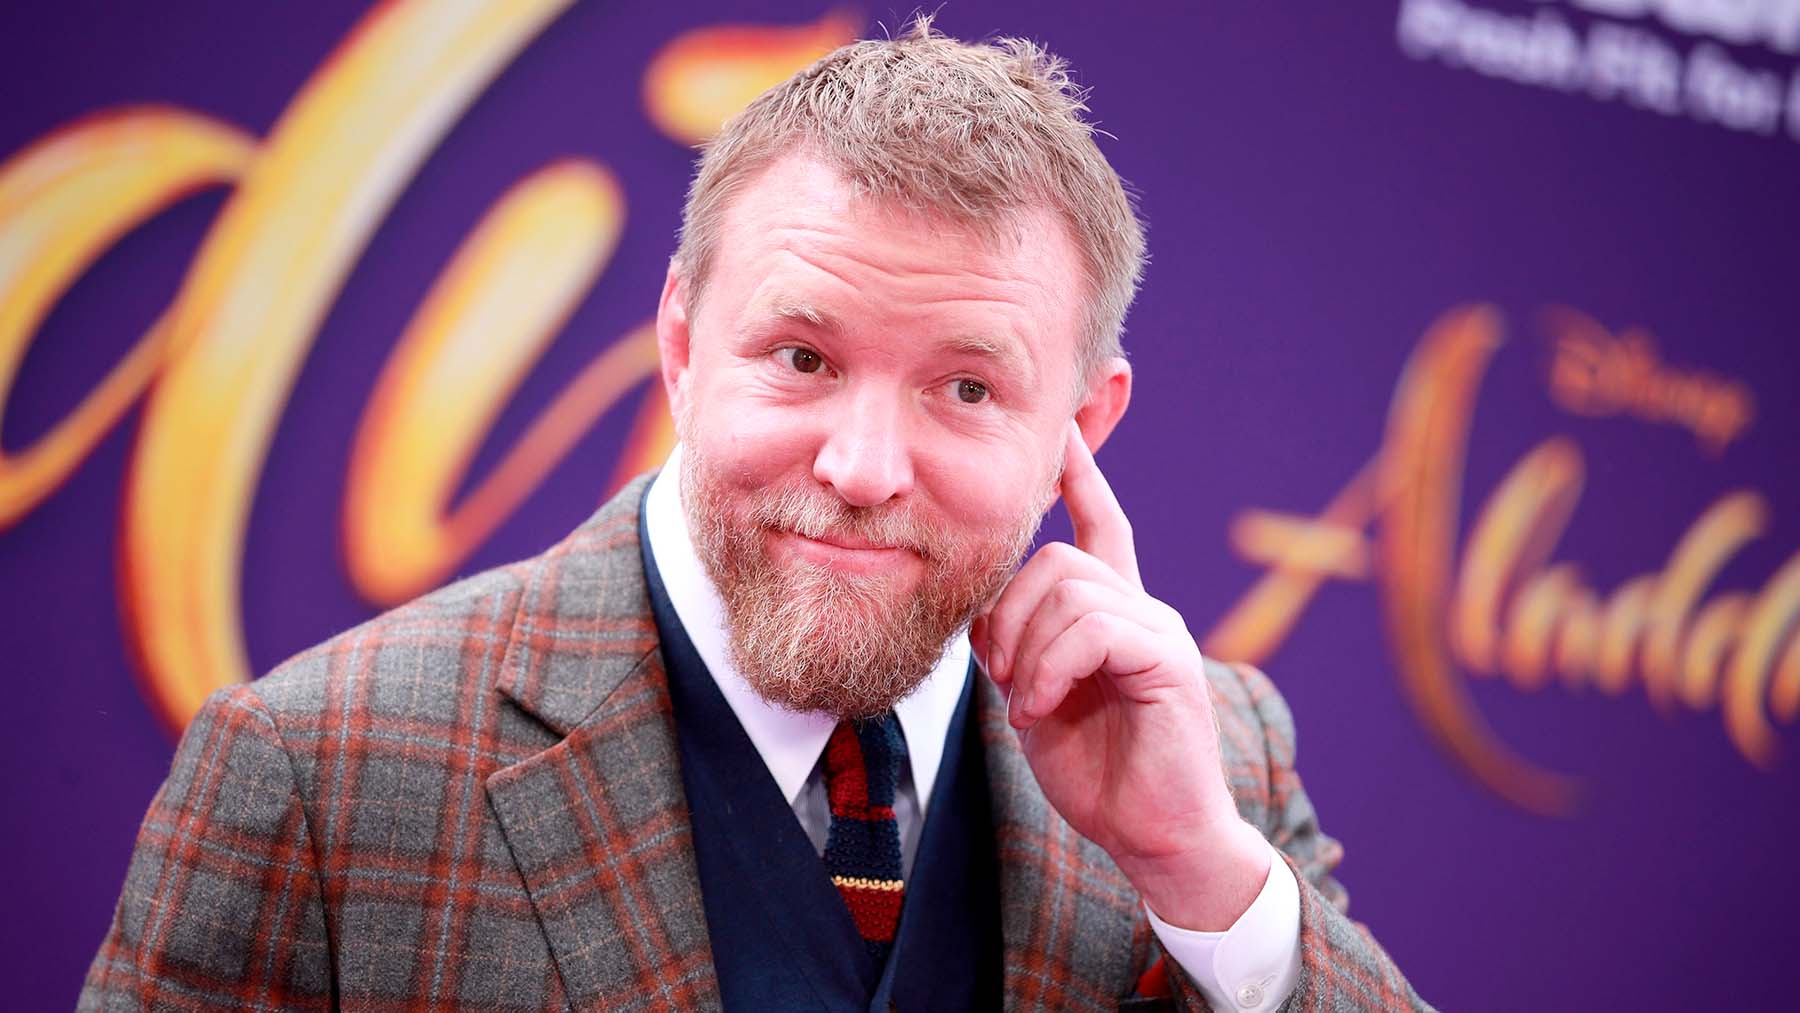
x=862 y=848
x=474 y=801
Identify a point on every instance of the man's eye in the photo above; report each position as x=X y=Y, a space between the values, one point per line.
x=971 y=391
x=802 y=359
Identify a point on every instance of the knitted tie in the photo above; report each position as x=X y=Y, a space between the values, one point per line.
x=862 y=850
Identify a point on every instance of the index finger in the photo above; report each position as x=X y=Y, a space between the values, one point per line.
x=1101 y=528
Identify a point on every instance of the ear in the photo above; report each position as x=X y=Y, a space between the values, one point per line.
x=674 y=338
x=1107 y=398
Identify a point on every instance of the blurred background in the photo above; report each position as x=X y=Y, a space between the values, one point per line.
x=1465 y=406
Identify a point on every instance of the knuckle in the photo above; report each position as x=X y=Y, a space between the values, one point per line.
x=1094 y=624
x=1068 y=591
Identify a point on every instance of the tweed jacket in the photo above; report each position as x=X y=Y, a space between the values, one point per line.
x=474 y=801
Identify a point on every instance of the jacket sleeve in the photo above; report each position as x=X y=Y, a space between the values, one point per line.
x=221 y=907
x=1342 y=967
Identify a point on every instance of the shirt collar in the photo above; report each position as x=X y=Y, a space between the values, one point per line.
x=789 y=742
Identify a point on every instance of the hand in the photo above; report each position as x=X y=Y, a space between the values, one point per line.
x=1109 y=694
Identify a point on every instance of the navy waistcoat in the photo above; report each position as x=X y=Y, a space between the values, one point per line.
x=781 y=936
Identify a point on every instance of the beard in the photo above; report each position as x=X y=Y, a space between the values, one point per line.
x=808 y=637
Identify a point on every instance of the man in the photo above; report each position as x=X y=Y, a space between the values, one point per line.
x=724 y=744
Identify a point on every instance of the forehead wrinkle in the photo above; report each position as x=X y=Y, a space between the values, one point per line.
x=774 y=296
x=939 y=260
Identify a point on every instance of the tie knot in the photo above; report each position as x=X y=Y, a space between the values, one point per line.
x=862 y=766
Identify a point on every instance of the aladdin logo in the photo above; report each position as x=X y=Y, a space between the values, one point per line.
x=216 y=370
x=1509 y=606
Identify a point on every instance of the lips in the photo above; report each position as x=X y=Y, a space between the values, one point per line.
x=847 y=540
x=844 y=553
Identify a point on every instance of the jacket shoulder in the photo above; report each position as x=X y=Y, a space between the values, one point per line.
x=407 y=658
x=431 y=661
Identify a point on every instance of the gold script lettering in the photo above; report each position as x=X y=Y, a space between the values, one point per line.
x=251 y=305
x=519 y=274
x=1511 y=610
x=703 y=76
x=64 y=201
x=1421 y=479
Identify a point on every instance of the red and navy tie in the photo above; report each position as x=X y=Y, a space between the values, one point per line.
x=862 y=850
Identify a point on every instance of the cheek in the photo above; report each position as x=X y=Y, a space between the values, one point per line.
x=752 y=443
x=988 y=493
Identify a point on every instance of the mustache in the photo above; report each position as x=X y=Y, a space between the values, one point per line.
x=816 y=513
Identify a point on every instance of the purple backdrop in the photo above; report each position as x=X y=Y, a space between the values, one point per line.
x=1319 y=184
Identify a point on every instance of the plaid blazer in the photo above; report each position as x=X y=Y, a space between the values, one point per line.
x=475 y=801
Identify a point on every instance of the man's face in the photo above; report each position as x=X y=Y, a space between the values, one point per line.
x=873 y=408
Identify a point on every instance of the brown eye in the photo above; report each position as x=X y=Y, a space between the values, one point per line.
x=971 y=391
x=804 y=361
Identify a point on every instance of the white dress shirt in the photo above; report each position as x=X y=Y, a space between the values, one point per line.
x=1251 y=966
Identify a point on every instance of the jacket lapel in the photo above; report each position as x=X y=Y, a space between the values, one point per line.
x=1069 y=918
x=598 y=823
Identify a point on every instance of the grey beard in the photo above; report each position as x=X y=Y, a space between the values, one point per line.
x=813 y=639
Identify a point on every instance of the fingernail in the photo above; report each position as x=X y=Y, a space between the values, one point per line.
x=996 y=663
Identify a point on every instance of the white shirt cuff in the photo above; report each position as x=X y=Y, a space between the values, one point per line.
x=1255 y=964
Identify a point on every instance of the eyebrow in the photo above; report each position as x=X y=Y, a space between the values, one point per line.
x=1005 y=353
x=972 y=344
x=806 y=313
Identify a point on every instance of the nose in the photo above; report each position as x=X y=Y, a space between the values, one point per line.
x=865 y=457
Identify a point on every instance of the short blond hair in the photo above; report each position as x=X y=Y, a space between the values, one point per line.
x=975 y=133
